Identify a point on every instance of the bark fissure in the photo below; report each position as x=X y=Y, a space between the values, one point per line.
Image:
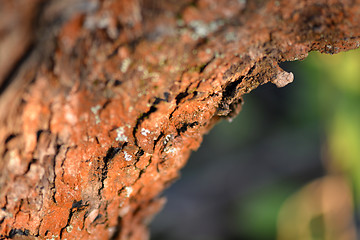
x=185 y=126
x=76 y=207
x=110 y=154
x=142 y=117
x=13 y=232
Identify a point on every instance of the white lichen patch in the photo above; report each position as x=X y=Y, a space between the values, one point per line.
x=127 y=156
x=69 y=228
x=95 y=111
x=230 y=37
x=128 y=190
x=125 y=65
x=146 y=74
x=283 y=79
x=167 y=139
x=219 y=55
x=202 y=29
x=144 y=132
x=171 y=150
x=121 y=137
x=53 y=237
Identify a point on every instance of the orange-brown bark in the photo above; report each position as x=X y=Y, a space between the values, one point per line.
x=103 y=101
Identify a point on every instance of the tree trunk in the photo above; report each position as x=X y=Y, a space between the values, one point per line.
x=102 y=102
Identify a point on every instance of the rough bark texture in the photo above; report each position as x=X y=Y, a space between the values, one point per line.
x=102 y=101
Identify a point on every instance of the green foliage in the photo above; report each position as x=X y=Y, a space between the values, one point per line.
x=341 y=99
x=327 y=101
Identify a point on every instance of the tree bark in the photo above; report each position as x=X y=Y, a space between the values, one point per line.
x=102 y=102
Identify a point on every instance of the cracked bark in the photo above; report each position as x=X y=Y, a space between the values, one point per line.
x=102 y=102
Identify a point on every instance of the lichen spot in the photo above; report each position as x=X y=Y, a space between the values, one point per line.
x=125 y=65
x=53 y=237
x=171 y=150
x=167 y=139
x=121 y=137
x=128 y=190
x=69 y=228
x=95 y=111
x=144 y=132
x=127 y=156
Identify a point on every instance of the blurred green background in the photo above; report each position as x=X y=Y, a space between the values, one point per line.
x=288 y=167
